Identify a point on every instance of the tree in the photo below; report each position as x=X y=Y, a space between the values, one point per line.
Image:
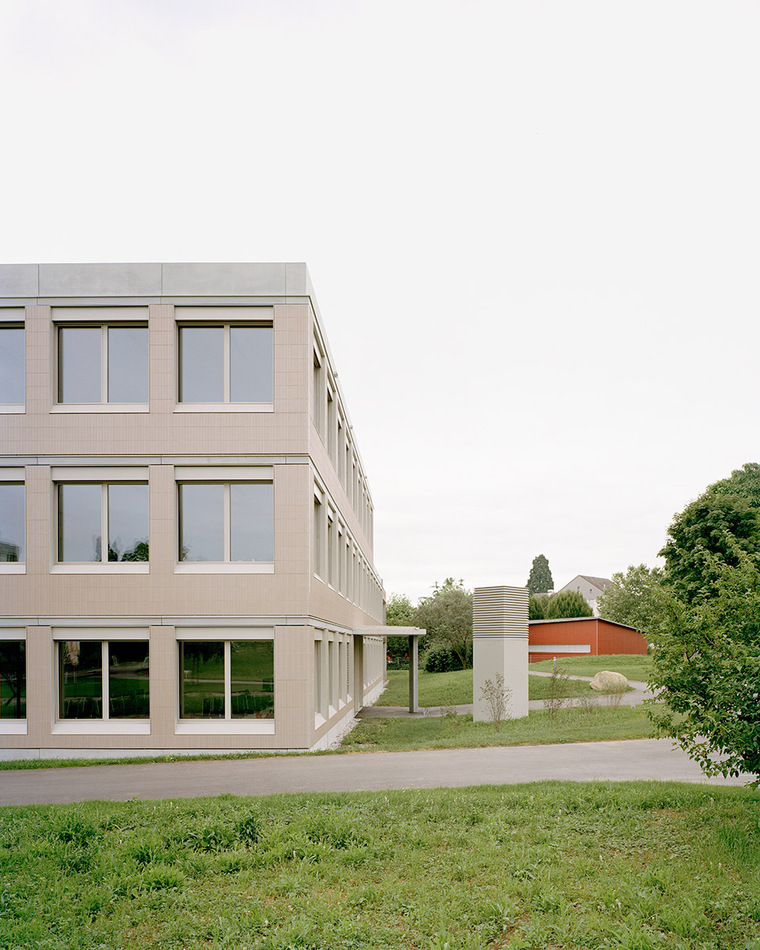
x=537 y=604
x=707 y=671
x=635 y=598
x=399 y=612
x=447 y=617
x=567 y=604
x=713 y=532
x=540 y=579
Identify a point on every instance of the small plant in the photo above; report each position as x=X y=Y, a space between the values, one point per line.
x=556 y=696
x=614 y=697
x=587 y=704
x=497 y=697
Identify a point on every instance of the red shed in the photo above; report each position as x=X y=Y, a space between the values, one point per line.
x=581 y=636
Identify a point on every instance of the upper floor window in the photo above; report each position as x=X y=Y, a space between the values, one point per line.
x=11 y=366
x=102 y=364
x=11 y=522
x=227 y=363
x=102 y=522
x=226 y=522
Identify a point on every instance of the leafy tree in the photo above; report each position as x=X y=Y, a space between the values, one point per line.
x=567 y=604
x=447 y=617
x=537 y=604
x=540 y=579
x=707 y=671
x=399 y=612
x=712 y=532
x=635 y=598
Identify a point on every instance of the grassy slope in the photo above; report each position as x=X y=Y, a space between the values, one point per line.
x=632 y=666
x=603 y=723
x=636 y=866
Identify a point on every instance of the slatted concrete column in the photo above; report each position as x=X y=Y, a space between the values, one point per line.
x=500 y=646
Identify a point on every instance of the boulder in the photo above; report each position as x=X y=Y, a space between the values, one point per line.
x=607 y=682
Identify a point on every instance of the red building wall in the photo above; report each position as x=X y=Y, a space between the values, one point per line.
x=586 y=636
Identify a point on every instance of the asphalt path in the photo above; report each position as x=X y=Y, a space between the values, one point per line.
x=652 y=759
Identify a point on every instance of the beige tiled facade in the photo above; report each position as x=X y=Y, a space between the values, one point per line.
x=307 y=600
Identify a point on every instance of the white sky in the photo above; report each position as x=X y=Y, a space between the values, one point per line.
x=533 y=227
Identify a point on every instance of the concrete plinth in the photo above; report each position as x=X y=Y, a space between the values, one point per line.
x=500 y=646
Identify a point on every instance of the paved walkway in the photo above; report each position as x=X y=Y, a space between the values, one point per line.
x=653 y=759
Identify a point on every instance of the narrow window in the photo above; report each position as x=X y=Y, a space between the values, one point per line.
x=11 y=366
x=12 y=532
x=12 y=679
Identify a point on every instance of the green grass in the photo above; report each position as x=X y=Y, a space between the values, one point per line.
x=455 y=689
x=632 y=866
x=629 y=664
x=604 y=723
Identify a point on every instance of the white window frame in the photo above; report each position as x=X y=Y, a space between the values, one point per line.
x=12 y=318
x=61 y=475
x=224 y=318
x=16 y=476
x=93 y=317
x=105 y=725
x=226 y=726
x=221 y=475
x=15 y=727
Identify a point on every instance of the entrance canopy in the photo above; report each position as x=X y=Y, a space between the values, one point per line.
x=414 y=634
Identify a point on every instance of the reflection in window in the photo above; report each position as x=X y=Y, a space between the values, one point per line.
x=11 y=522
x=11 y=366
x=89 y=512
x=225 y=364
x=12 y=679
x=226 y=679
x=85 y=693
x=99 y=364
x=227 y=522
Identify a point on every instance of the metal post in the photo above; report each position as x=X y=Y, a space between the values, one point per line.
x=414 y=705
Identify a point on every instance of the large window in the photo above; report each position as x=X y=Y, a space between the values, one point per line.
x=89 y=513
x=226 y=679
x=11 y=366
x=228 y=363
x=12 y=679
x=102 y=364
x=11 y=522
x=103 y=679
x=226 y=522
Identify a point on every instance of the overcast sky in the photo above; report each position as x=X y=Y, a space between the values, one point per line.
x=533 y=228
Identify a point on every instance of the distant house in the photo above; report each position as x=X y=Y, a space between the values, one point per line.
x=581 y=636
x=589 y=587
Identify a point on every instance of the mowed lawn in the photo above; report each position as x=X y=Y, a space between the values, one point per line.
x=631 y=665
x=634 y=866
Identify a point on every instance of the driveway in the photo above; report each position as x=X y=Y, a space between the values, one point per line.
x=653 y=759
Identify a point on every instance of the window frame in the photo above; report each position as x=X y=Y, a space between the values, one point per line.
x=226 y=476
x=9 y=727
x=12 y=318
x=103 y=725
x=15 y=476
x=102 y=318
x=226 y=318
x=226 y=725
x=102 y=477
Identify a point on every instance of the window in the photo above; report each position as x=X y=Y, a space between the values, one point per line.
x=12 y=679
x=90 y=512
x=11 y=522
x=228 y=363
x=226 y=522
x=103 y=680
x=319 y=560
x=11 y=366
x=102 y=364
x=226 y=679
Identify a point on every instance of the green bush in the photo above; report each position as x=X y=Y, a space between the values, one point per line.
x=442 y=659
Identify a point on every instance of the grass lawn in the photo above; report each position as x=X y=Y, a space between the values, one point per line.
x=603 y=723
x=629 y=664
x=455 y=689
x=634 y=866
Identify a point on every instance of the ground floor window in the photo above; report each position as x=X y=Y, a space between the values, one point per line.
x=12 y=679
x=226 y=679
x=103 y=680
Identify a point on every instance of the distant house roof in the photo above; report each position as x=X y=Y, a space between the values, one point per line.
x=614 y=623
x=600 y=582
